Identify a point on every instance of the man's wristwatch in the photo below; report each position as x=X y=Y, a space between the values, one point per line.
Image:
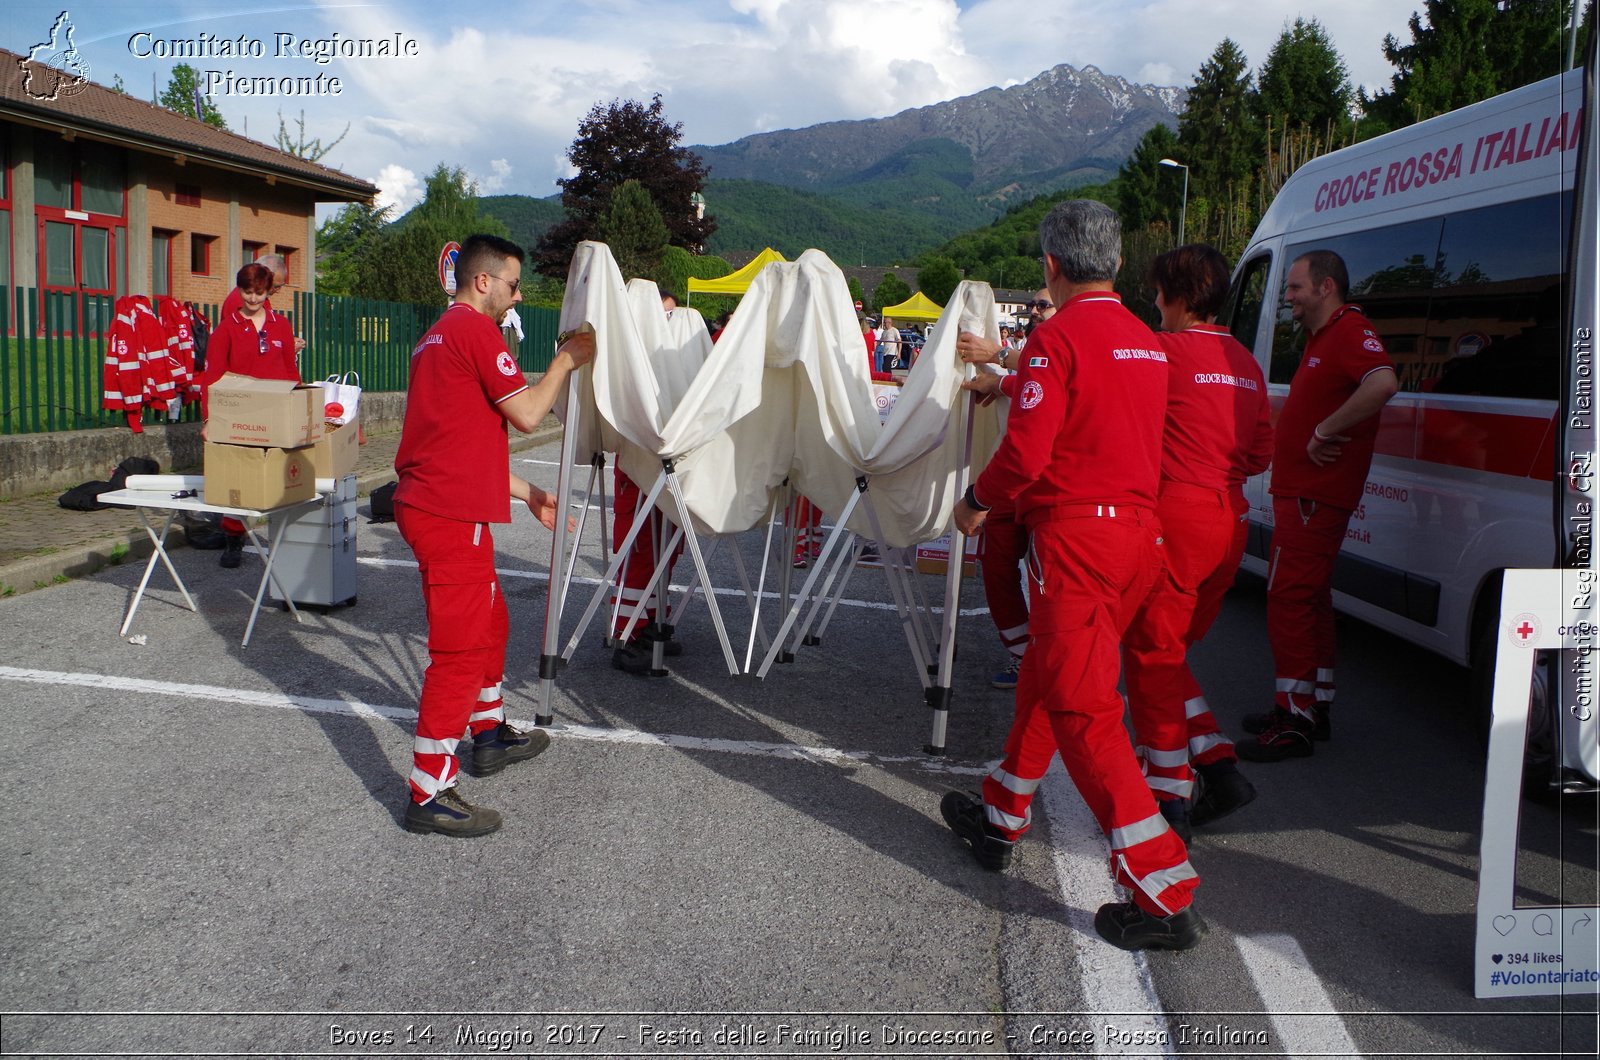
x=561 y=339
x=1003 y=357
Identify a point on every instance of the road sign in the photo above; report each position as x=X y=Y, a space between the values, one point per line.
x=447 y=266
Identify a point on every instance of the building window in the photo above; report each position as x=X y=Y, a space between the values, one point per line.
x=161 y=262
x=200 y=254
x=252 y=251
x=287 y=254
x=187 y=194
x=88 y=177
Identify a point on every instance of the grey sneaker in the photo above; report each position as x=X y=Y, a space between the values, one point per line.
x=500 y=747
x=449 y=813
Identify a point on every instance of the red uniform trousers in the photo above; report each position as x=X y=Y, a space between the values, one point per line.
x=1306 y=537
x=1005 y=543
x=1204 y=534
x=806 y=518
x=467 y=629
x=634 y=578
x=1089 y=576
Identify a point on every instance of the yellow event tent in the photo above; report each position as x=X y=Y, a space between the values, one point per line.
x=735 y=282
x=918 y=307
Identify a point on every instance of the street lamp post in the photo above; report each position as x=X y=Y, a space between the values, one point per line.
x=1183 y=211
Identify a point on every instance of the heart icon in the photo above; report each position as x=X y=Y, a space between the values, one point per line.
x=1496 y=958
x=1504 y=924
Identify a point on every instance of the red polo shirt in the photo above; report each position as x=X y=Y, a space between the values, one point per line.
x=453 y=460
x=1219 y=422
x=1336 y=360
x=237 y=346
x=1090 y=397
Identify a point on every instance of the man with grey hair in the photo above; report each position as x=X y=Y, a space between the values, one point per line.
x=1081 y=463
x=280 y=277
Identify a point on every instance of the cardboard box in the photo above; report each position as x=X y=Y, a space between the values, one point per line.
x=336 y=454
x=264 y=412
x=251 y=476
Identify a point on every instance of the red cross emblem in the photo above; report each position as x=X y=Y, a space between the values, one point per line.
x=1524 y=630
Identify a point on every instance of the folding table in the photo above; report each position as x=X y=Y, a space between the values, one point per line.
x=146 y=501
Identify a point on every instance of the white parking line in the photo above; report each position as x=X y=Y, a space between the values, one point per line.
x=1112 y=980
x=544 y=576
x=590 y=733
x=1304 y=1020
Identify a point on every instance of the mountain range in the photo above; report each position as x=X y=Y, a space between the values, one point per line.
x=886 y=189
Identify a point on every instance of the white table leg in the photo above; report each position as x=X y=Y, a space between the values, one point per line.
x=275 y=531
x=160 y=553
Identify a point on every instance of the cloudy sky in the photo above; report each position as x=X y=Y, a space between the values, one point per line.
x=499 y=89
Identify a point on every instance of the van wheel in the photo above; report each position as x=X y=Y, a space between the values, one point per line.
x=1539 y=755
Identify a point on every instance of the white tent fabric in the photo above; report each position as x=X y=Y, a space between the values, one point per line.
x=784 y=394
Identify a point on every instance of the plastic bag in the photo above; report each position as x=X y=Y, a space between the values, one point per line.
x=341 y=398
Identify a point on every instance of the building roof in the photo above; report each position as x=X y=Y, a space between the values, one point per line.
x=104 y=114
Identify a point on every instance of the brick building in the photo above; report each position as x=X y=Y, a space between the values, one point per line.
x=103 y=193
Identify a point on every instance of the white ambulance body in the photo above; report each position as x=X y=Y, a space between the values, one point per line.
x=1455 y=232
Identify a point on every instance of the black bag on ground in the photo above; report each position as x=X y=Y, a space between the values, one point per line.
x=133 y=465
x=85 y=497
x=382 y=500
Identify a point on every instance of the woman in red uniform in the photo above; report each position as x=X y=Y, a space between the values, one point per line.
x=254 y=341
x=1218 y=433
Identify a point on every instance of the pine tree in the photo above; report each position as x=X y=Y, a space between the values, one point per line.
x=343 y=241
x=1468 y=50
x=1145 y=189
x=632 y=227
x=1218 y=138
x=627 y=140
x=1304 y=80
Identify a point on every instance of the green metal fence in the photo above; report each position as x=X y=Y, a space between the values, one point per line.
x=54 y=346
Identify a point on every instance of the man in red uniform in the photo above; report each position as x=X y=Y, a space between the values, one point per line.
x=1326 y=433
x=1218 y=433
x=454 y=473
x=1080 y=463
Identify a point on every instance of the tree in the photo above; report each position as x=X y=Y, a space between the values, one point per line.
x=855 y=291
x=632 y=227
x=1145 y=189
x=299 y=146
x=1304 y=80
x=938 y=278
x=1016 y=273
x=891 y=290
x=343 y=240
x=1217 y=134
x=402 y=264
x=1465 y=51
x=182 y=94
x=627 y=140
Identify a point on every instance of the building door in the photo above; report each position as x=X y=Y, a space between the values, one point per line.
x=77 y=274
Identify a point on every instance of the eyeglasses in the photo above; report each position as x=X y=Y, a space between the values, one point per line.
x=261 y=340
x=1041 y=305
x=513 y=284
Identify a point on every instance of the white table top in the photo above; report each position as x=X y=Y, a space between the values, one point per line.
x=165 y=499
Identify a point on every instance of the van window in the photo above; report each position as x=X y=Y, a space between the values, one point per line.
x=1495 y=325
x=1391 y=278
x=1241 y=313
x=1469 y=303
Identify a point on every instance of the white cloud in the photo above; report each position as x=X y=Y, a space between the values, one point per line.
x=498 y=180
x=398 y=187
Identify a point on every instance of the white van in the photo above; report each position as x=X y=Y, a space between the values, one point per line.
x=1456 y=233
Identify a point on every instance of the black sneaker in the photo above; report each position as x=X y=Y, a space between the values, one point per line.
x=1128 y=927
x=1220 y=794
x=494 y=749
x=232 y=551
x=1255 y=724
x=964 y=814
x=1289 y=736
x=449 y=813
x=1176 y=811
